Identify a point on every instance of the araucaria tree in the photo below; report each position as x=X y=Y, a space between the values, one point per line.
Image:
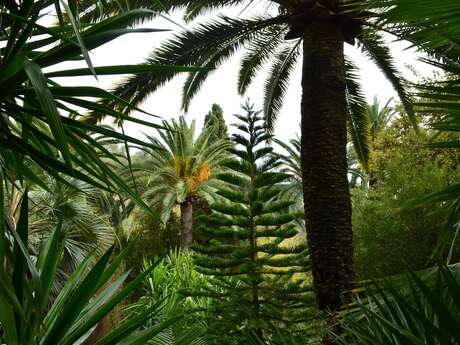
x=252 y=267
x=178 y=169
x=313 y=31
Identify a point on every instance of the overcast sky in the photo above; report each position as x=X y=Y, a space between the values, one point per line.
x=221 y=84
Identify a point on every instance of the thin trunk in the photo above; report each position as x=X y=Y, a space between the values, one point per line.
x=324 y=164
x=186 y=218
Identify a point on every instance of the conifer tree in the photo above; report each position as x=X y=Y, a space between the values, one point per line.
x=255 y=283
x=215 y=119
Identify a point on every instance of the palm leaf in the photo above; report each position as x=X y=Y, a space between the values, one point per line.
x=358 y=118
x=277 y=82
x=207 y=45
x=372 y=46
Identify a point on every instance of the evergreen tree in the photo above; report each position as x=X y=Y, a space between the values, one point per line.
x=215 y=118
x=256 y=276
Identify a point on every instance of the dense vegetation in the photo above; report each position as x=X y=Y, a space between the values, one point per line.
x=347 y=234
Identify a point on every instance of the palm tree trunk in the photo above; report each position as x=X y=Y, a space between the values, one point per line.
x=186 y=218
x=324 y=164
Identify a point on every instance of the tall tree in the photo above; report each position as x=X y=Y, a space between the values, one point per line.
x=315 y=33
x=253 y=283
x=215 y=119
x=178 y=170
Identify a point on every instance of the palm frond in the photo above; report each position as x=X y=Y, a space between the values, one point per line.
x=417 y=309
x=373 y=46
x=431 y=26
x=276 y=84
x=207 y=45
x=358 y=119
x=258 y=52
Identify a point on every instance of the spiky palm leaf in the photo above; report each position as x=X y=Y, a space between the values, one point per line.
x=417 y=309
x=40 y=118
x=29 y=316
x=358 y=119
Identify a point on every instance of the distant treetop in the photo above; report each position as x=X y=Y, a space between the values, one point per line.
x=215 y=119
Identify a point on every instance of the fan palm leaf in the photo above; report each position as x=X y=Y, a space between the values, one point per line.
x=84 y=229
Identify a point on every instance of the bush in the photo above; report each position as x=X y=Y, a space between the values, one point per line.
x=390 y=235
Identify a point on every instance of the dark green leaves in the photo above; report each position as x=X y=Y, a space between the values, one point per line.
x=48 y=107
x=29 y=316
x=415 y=309
x=250 y=255
x=47 y=125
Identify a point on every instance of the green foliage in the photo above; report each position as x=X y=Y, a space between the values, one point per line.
x=252 y=284
x=30 y=316
x=179 y=167
x=416 y=309
x=43 y=123
x=215 y=122
x=172 y=274
x=433 y=28
x=84 y=230
x=388 y=235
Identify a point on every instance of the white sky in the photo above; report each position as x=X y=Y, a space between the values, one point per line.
x=221 y=84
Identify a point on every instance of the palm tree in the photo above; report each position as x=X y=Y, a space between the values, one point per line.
x=179 y=170
x=84 y=229
x=313 y=31
x=379 y=117
x=293 y=167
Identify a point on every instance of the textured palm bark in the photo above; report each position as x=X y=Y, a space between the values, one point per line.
x=186 y=217
x=324 y=165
